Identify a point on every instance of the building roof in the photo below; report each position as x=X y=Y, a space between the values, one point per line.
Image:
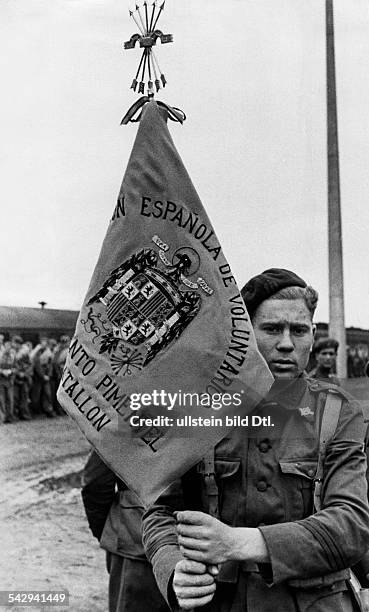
x=19 y=317
x=354 y=335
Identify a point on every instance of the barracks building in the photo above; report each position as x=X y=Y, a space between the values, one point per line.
x=33 y=323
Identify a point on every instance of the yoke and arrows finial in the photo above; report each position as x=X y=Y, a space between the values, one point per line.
x=148 y=65
x=147 y=40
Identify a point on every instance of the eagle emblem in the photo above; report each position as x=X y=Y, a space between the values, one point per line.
x=145 y=307
x=306 y=411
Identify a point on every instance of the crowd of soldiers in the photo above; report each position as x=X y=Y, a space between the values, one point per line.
x=29 y=377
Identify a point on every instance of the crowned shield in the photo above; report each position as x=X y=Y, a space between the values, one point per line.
x=144 y=304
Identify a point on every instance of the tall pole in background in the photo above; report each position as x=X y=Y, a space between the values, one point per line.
x=336 y=301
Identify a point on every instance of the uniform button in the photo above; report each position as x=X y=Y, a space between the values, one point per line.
x=262 y=485
x=264 y=447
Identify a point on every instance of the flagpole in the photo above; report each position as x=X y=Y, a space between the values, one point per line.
x=336 y=295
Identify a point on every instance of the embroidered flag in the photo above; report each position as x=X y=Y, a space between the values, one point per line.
x=164 y=353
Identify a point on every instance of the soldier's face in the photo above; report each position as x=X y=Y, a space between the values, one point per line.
x=284 y=334
x=326 y=358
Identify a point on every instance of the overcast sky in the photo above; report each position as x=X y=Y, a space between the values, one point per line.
x=250 y=75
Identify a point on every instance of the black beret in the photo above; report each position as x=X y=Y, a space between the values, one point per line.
x=266 y=284
x=325 y=343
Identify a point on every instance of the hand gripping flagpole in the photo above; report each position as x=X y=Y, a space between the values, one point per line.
x=148 y=76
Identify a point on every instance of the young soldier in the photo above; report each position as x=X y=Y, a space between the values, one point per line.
x=325 y=353
x=272 y=552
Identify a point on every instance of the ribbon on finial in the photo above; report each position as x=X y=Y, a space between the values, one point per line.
x=133 y=114
x=147 y=38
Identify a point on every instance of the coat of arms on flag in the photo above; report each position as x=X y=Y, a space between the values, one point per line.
x=162 y=317
x=145 y=306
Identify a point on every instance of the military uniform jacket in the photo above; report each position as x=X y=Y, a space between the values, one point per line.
x=7 y=366
x=265 y=479
x=23 y=365
x=113 y=512
x=324 y=375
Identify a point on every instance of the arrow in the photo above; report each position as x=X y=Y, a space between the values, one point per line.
x=155 y=59
x=135 y=82
x=159 y=13
x=157 y=82
x=146 y=18
x=162 y=77
x=149 y=62
x=136 y=22
x=139 y=14
x=141 y=87
x=140 y=64
x=144 y=65
x=150 y=90
x=152 y=14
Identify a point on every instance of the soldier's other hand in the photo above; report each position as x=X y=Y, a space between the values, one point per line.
x=193 y=586
x=203 y=538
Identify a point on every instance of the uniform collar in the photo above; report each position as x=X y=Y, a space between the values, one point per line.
x=287 y=393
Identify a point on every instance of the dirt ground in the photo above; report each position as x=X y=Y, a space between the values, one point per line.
x=45 y=543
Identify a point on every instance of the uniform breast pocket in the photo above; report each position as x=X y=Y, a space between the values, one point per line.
x=228 y=476
x=298 y=485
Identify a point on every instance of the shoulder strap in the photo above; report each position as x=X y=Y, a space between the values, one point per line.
x=228 y=571
x=206 y=468
x=331 y=413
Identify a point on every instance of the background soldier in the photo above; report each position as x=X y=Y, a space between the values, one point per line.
x=7 y=372
x=325 y=353
x=41 y=357
x=23 y=378
x=59 y=357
